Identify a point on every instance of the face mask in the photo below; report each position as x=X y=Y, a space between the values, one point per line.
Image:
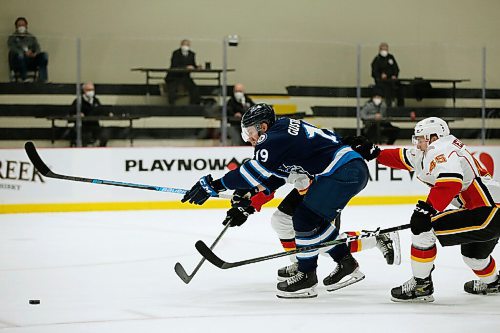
x=21 y=29
x=377 y=101
x=90 y=93
x=239 y=96
x=384 y=53
x=184 y=49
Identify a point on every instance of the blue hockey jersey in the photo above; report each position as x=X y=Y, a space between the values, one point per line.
x=290 y=145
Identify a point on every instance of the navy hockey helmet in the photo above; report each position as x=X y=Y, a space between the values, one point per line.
x=254 y=117
x=257 y=114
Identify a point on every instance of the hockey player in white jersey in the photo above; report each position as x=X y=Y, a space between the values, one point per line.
x=443 y=162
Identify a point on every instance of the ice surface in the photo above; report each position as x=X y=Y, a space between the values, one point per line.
x=113 y=272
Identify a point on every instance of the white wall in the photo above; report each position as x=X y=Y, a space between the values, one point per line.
x=284 y=42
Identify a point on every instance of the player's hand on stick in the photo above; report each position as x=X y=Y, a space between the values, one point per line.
x=421 y=218
x=242 y=198
x=205 y=188
x=236 y=216
x=363 y=146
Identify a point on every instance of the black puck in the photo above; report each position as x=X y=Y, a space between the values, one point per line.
x=34 y=301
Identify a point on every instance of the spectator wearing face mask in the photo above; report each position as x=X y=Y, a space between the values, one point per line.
x=385 y=71
x=237 y=104
x=25 y=53
x=183 y=57
x=374 y=116
x=92 y=132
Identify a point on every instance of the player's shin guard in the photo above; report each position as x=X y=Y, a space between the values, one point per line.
x=423 y=254
x=485 y=269
x=282 y=224
x=387 y=244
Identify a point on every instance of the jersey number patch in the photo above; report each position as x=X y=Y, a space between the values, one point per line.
x=313 y=131
x=262 y=155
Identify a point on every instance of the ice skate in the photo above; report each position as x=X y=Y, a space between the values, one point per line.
x=389 y=245
x=414 y=290
x=301 y=285
x=478 y=287
x=346 y=273
x=288 y=271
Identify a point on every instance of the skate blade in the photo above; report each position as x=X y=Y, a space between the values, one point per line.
x=355 y=277
x=306 y=293
x=396 y=245
x=421 y=299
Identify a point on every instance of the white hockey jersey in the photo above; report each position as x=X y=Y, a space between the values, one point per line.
x=453 y=174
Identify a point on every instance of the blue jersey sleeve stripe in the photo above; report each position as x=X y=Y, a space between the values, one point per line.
x=223 y=184
x=249 y=177
x=259 y=168
x=341 y=157
x=265 y=172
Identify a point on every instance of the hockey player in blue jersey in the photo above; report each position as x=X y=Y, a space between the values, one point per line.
x=287 y=145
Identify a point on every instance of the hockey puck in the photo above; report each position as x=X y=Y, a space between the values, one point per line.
x=34 y=301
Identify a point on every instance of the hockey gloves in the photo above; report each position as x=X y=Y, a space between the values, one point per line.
x=236 y=216
x=205 y=188
x=242 y=198
x=241 y=208
x=421 y=218
x=362 y=146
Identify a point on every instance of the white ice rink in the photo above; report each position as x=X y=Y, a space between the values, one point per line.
x=113 y=272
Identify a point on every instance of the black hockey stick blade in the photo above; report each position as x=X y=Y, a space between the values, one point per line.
x=211 y=256
x=30 y=149
x=208 y=254
x=37 y=161
x=181 y=272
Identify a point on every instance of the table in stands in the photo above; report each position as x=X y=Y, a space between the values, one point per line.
x=128 y=118
x=418 y=80
x=216 y=73
x=378 y=135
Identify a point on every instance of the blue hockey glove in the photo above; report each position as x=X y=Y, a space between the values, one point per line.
x=421 y=218
x=205 y=188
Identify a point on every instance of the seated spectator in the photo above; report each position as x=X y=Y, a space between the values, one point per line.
x=25 y=53
x=182 y=58
x=377 y=128
x=236 y=106
x=91 y=130
x=385 y=71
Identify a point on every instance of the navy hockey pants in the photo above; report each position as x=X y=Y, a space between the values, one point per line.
x=326 y=197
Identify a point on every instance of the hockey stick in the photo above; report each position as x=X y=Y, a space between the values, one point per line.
x=215 y=260
x=45 y=171
x=181 y=272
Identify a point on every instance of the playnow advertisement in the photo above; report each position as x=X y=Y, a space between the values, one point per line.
x=175 y=167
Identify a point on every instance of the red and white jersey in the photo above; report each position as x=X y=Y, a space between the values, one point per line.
x=453 y=174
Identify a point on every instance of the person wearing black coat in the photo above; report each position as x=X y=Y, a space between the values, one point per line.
x=182 y=58
x=385 y=71
x=91 y=130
